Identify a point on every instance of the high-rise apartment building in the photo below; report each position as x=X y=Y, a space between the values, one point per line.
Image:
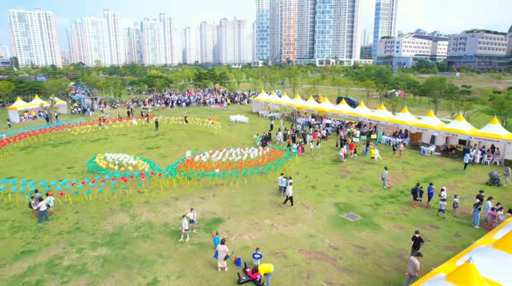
x=234 y=42
x=191 y=46
x=115 y=37
x=34 y=37
x=262 y=33
x=306 y=29
x=88 y=42
x=168 y=30
x=152 y=42
x=133 y=44
x=208 y=38
x=384 y=21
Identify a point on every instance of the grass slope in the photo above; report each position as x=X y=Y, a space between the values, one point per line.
x=134 y=240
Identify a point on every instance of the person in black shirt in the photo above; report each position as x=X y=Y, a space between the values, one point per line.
x=480 y=196
x=156 y=124
x=417 y=242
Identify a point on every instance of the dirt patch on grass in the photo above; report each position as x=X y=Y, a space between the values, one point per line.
x=428 y=227
x=344 y=173
x=317 y=255
x=450 y=249
x=367 y=191
x=37 y=258
x=398 y=227
x=279 y=255
x=114 y=220
x=457 y=235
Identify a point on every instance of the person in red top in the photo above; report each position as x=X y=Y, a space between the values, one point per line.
x=351 y=147
x=315 y=135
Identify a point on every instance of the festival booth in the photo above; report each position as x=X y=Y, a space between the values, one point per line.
x=12 y=110
x=258 y=103
x=402 y=120
x=430 y=126
x=458 y=132
x=61 y=105
x=494 y=133
x=298 y=102
x=487 y=262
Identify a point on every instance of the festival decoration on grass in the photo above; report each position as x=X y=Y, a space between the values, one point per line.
x=90 y=130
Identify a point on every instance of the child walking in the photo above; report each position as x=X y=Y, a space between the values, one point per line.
x=184 y=228
x=455 y=203
x=192 y=219
x=289 y=194
x=442 y=208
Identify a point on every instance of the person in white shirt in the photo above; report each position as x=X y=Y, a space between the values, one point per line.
x=192 y=219
x=184 y=228
x=43 y=212
x=50 y=202
x=487 y=209
x=289 y=194
x=281 y=183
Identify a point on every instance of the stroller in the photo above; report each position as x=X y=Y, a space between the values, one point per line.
x=494 y=179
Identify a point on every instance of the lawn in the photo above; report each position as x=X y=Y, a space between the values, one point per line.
x=133 y=240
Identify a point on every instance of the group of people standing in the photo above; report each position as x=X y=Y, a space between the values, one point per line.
x=285 y=186
x=493 y=214
x=40 y=206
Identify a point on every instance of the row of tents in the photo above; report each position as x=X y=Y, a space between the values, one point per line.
x=36 y=103
x=451 y=133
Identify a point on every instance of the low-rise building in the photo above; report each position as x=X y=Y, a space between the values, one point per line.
x=404 y=50
x=482 y=49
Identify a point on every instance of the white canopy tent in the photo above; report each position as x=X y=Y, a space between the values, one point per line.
x=12 y=110
x=61 y=105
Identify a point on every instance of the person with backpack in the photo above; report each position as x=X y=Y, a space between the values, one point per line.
x=415 y=193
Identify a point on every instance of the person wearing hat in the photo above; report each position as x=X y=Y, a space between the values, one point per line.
x=413 y=270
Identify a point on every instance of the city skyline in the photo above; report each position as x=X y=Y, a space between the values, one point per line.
x=490 y=14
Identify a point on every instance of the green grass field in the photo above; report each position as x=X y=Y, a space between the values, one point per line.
x=134 y=240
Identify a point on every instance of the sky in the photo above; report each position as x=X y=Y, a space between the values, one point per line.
x=445 y=16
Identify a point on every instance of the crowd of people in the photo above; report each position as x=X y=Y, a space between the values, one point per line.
x=199 y=97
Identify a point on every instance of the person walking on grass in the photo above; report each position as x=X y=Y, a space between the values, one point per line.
x=222 y=255
x=413 y=271
x=442 y=208
x=192 y=219
x=43 y=212
x=466 y=161
x=384 y=178
x=430 y=193
x=507 y=176
x=281 y=183
x=184 y=228
x=33 y=205
x=401 y=148
x=289 y=194
x=156 y=124
x=417 y=242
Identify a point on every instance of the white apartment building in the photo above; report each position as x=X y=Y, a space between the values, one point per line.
x=191 y=46
x=347 y=44
x=88 y=42
x=208 y=42
x=509 y=46
x=34 y=37
x=115 y=42
x=133 y=44
x=168 y=30
x=384 y=21
x=478 y=43
x=4 y=52
x=152 y=42
x=306 y=29
x=234 y=42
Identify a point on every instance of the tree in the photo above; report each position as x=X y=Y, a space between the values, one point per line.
x=502 y=106
x=56 y=86
x=238 y=76
x=369 y=87
x=438 y=89
x=293 y=78
x=6 y=89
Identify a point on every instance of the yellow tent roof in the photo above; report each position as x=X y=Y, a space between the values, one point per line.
x=19 y=103
x=504 y=243
x=404 y=117
x=459 y=126
x=466 y=275
x=382 y=113
x=493 y=130
x=430 y=121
